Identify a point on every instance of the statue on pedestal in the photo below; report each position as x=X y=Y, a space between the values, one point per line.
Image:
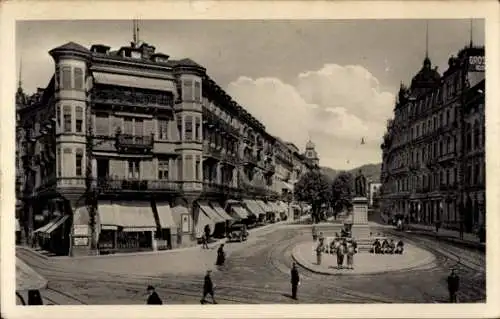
x=360 y=185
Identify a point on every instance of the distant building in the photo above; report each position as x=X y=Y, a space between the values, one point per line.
x=373 y=190
x=434 y=149
x=164 y=146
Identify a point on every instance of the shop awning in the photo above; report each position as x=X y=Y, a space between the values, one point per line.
x=165 y=216
x=134 y=81
x=133 y=216
x=44 y=228
x=239 y=212
x=57 y=224
x=222 y=213
x=109 y=219
x=253 y=207
x=265 y=207
x=282 y=206
x=275 y=207
x=201 y=221
x=285 y=185
x=212 y=214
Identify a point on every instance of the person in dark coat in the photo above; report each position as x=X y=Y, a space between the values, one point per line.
x=221 y=256
x=34 y=298
x=295 y=280
x=453 y=285
x=208 y=288
x=206 y=230
x=204 y=241
x=153 y=298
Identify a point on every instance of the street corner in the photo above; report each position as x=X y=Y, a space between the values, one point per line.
x=365 y=263
x=27 y=278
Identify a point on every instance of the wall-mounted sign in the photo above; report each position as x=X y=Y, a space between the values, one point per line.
x=80 y=230
x=185 y=223
x=80 y=241
x=476 y=63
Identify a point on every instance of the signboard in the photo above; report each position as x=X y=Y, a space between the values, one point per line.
x=185 y=223
x=80 y=241
x=476 y=63
x=80 y=230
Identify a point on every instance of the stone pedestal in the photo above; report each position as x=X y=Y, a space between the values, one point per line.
x=360 y=228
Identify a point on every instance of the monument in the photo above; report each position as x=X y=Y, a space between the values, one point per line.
x=359 y=220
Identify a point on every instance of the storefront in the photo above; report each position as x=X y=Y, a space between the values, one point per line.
x=254 y=209
x=218 y=223
x=237 y=211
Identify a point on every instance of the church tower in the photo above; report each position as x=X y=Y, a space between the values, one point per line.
x=311 y=153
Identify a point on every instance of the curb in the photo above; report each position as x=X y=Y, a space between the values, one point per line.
x=305 y=265
x=454 y=240
x=149 y=253
x=42 y=282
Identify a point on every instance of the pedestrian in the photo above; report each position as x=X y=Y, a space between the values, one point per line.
x=204 y=242
x=314 y=233
x=295 y=280
x=34 y=298
x=319 y=251
x=221 y=256
x=340 y=256
x=453 y=285
x=153 y=298
x=206 y=230
x=438 y=225
x=208 y=288
x=350 y=256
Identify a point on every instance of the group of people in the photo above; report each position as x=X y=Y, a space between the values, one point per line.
x=387 y=247
x=344 y=247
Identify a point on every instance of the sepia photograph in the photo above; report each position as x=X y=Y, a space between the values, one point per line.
x=224 y=162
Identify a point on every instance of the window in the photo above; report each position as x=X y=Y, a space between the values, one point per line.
x=79 y=119
x=79 y=79
x=128 y=126
x=448 y=117
x=59 y=162
x=67 y=118
x=188 y=132
x=187 y=90
x=102 y=126
x=476 y=174
x=179 y=126
x=198 y=168
x=197 y=129
x=79 y=162
x=197 y=91
x=163 y=170
x=134 y=171
x=179 y=169
x=66 y=77
x=58 y=116
x=189 y=167
x=133 y=126
x=477 y=136
x=162 y=129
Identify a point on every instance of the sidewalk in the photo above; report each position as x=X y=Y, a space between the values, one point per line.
x=27 y=278
x=469 y=240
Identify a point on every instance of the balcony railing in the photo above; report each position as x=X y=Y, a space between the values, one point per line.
x=447 y=157
x=136 y=142
x=213 y=187
x=250 y=159
x=107 y=185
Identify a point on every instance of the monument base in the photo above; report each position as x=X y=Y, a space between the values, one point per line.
x=360 y=231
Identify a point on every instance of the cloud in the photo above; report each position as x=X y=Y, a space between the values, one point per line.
x=336 y=105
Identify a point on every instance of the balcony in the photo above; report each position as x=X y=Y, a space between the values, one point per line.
x=269 y=167
x=213 y=187
x=128 y=97
x=106 y=185
x=447 y=157
x=250 y=160
x=134 y=143
x=212 y=120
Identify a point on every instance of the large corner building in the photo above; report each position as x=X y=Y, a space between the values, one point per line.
x=155 y=142
x=433 y=167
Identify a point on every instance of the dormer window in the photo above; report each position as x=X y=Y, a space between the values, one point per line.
x=135 y=54
x=159 y=58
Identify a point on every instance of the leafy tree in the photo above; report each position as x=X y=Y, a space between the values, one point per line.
x=313 y=188
x=342 y=191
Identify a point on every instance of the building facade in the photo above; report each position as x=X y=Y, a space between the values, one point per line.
x=161 y=147
x=433 y=162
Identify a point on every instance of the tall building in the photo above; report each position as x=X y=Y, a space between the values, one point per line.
x=311 y=153
x=433 y=162
x=159 y=144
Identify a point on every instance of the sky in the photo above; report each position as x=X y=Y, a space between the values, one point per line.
x=331 y=81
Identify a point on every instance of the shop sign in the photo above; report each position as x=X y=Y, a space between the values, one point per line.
x=80 y=241
x=80 y=230
x=476 y=63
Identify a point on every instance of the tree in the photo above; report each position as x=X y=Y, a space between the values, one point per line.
x=314 y=189
x=342 y=191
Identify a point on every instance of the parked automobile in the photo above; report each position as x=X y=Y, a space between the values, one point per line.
x=237 y=232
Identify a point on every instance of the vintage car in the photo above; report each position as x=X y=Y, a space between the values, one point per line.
x=237 y=232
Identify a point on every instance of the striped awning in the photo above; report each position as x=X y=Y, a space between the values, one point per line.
x=220 y=211
x=44 y=228
x=133 y=216
x=57 y=224
x=201 y=221
x=253 y=207
x=239 y=212
x=265 y=207
x=134 y=81
x=212 y=214
x=165 y=216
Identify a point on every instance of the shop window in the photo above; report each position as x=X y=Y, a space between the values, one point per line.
x=79 y=119
x=67 y=118
x=134 y=171
x=163 y=170
x=79 y=162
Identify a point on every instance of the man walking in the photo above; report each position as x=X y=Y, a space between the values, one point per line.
x=453 y=285
x=295 y=279
x=208 y=288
